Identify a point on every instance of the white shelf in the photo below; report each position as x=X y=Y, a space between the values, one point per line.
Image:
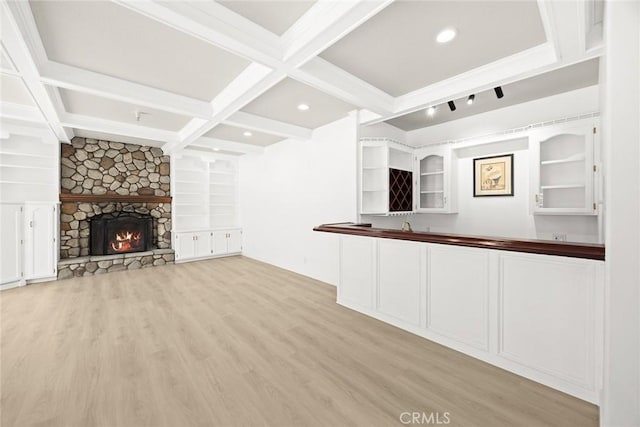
x=221 y=204
x=560 y=161
x=373 y=167
x=373 y=190
x=432 y=173
x=432 y=192
x=188 y=182
x=558 y=187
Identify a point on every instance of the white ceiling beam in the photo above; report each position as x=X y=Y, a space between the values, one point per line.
x=251 y=83
x=21 y=39
x=223 y=144
x=565 y=26
x=215 y=24
x=325 y=76
x=77 y=79
x=263 y=124
x=117 y=128
x=28 y=113
x=501 y=72
x=324 y=24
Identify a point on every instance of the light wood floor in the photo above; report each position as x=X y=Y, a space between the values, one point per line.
x=237 y=342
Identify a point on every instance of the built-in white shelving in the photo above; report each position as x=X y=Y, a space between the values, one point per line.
x=204 y=195
x=564 y=170
x=434 y=184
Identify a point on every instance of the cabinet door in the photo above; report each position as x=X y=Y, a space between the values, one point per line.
x=40 y=254
x=234 y=241
x=435 y=181
x=10 y=244
x=220 y=242
x=563 y=170
x=184 y=245
x=202 y=243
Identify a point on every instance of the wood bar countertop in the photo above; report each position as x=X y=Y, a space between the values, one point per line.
x=544 y=247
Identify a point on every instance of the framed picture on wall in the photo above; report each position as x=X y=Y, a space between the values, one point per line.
x=493 y=176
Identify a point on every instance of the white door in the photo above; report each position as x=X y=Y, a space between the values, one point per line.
x=234 y=241
x=219 y=242
x=202 y=241
x=40 y=254
x=184 y=245
x=10 y=244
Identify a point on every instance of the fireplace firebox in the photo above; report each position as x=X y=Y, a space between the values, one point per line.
x=120 y=232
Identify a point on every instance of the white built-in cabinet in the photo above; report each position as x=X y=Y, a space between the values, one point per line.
x=29 y=242
x=436 y=180
x=227 y=242
x=564 y=171
x=192 y=245
x=386 y=177
x=205 y=207
x=535 y=315
x=29 y=187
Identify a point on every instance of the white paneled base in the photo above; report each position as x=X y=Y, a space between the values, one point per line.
x=399 y=285
x=458 y=294
x=537 y=316
x=357 y=271
x=547 y=316
x=203 y=244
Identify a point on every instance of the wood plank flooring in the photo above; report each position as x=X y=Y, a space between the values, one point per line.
x=235 y=342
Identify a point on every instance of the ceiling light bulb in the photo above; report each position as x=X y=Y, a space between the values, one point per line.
x=471 y=99
x=303 y=107
x=216 y=149
x=446 y=35
x=431 y=111
x=247 y=133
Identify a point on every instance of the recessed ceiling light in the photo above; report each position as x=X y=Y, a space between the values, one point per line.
x=431 y=111
x=446 y=35
x=247 y=133
x=471 y=99
x=216 y=149
x=303 y=107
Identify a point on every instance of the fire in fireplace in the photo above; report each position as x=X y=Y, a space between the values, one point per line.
x=120 y=232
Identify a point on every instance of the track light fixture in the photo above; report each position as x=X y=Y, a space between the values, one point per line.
x=498 y=91
x=452 y=105
x=471 y=99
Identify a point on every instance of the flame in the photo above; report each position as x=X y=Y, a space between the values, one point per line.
x=126 y=241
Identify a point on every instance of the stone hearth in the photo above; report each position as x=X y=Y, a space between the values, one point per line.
x=91 y=172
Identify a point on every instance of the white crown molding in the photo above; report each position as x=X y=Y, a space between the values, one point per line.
x=77 y=79
x=117 y=128
x=28 y=113
x=223 y=144
x=21 y=39
x=262 y=124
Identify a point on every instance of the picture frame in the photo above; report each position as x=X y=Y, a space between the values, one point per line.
x=493 y=176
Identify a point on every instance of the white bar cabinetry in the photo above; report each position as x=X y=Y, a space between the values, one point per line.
x=538 y=316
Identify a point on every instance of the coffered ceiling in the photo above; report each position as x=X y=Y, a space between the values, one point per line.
x=200 y=74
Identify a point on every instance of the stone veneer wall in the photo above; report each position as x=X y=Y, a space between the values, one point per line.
x=89 y=166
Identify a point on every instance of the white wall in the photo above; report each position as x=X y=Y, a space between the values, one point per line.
x=621 y=115
x=291 y=188
x=478 y=216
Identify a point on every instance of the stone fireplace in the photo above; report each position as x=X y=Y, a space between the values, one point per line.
x=116 y=207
